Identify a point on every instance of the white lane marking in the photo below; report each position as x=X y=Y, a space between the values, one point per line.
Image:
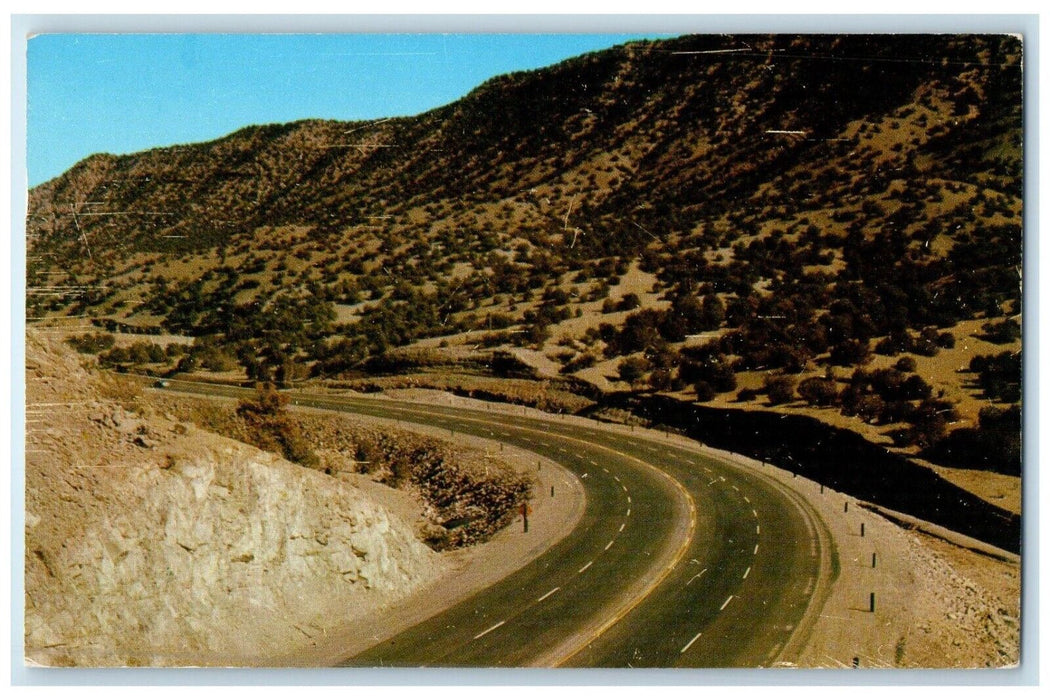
x=652 y=449
x=669 y=453
x=735 y=487
x=686 y=647
x=628 y=499
x=746 y=573
x=545 y=444
x=505 y=434
x=756 y=549
x=722 y=478
x=548 y=594
x=482 y=634
x=585 y=567
x=577 y=455
x=758 y=529
x=707 y=469
x=624 y=488
x=593 y=463
x=696 y=577
x=609 y=545
x=562 y=450
x=628 y=513
x=747 y=499
x=726 y=603
x=616 y=477
x=754 y=512
x=713 y=481
x=622 y=526
x=691 y=462
x=605 y=470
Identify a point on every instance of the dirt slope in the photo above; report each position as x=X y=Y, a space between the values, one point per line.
x=152 y=542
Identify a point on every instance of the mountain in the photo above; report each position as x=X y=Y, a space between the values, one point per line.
x=832 y=223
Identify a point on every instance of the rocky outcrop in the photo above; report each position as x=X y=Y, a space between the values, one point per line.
x=151 y=542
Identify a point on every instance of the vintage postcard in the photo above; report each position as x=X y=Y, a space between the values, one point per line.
x=524 y=350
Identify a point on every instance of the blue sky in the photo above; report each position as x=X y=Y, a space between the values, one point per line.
x=120 y=93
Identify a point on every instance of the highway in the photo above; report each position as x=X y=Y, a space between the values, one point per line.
x=680 y=559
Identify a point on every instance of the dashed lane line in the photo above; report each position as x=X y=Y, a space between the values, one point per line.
x=686 y=647
x=726 y=603
x=548 y=594
x=746 y=573
x=754 y=512
x=756 y=549
x=495 y=626
x=622 y=526
x=609 y=545
x=585 y=567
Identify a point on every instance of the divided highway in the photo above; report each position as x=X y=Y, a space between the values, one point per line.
x=679 y=559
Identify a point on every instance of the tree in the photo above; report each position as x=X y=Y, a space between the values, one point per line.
x=633 y=368
x=779 y=388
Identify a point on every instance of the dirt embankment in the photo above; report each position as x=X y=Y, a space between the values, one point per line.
x=152 y=542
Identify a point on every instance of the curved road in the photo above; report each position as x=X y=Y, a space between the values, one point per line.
x=679 y=559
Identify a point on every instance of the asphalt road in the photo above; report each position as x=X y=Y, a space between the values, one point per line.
x=679 y=559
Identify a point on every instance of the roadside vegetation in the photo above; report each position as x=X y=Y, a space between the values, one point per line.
x=641 y=235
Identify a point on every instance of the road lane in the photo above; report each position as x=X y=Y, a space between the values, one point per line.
x=724 y=602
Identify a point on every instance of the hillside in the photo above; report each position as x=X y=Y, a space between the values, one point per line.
x=151 y=540
x=828 y=224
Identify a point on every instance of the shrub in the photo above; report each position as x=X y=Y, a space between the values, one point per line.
x=91 y=343
x=818 y=391
x=779 y=389
x=1002 y=332
x=704 y=391
x=850 y=352
x=269 y=426
x=905 y=364
x=660 y=380
x=633 y=368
